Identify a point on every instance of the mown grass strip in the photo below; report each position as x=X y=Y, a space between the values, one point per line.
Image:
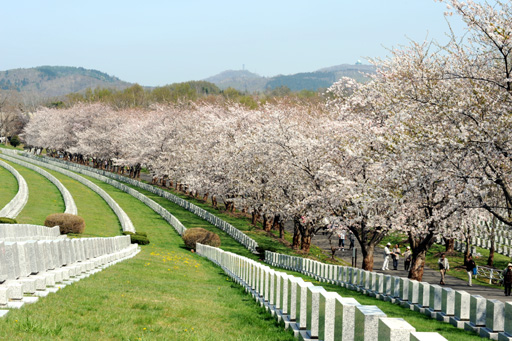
x=44 y=197
x=166 y=293
x=243 y=223
x=99 y=218
x=8 y=187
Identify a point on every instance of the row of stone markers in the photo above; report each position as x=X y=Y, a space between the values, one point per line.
x=14 y=207
x=481 y=237
x=23 y=232
x=69 y=203
x=235 y=233
x=502 y=238
x=502 y=244
x=124 y=220
x=33 y=269
x=310 y=311
x=175 y=223
x=488 y=318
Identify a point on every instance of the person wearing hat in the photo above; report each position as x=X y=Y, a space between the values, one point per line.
x=507 y=279
x=407 y=258
x=470 y=265
x=387 y=254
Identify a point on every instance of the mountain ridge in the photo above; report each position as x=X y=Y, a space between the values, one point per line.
x=56 y=81
x=244 y=80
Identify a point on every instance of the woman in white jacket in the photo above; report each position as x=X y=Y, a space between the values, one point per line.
x=443 y=266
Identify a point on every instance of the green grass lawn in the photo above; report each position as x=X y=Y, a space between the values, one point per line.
x=8 y=187
x=20 y=147
x=242 y=223
x=44 y=198
x=164 y=293
x=99 y=218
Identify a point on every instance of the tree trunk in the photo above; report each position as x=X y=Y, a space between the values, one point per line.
x=214 y=201
x=267 y=223
x=490 y=260
x=417 y=266
x=205 y=196
x=468 y=248
x=305 y=241
x=296 y=235
x=275 y=222
x=367 y=258
x=255 y=217
x=449 y=245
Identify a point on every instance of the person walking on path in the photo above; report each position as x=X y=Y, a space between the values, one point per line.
x=443 y=267
x=395 y=255
x=470 y=265
x=407 y=258
x=351 y=239
x=341 y=242
x=387 y=253
x=507 y=279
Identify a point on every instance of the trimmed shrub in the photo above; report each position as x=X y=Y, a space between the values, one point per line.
x=68 y=223
x=5 y=220
x=200 y=235
x=15 y=141
x=140 y=238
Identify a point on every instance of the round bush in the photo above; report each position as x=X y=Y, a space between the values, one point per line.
x=5 y=220
x=140 y=238
x=199 y=235
x=68 y=223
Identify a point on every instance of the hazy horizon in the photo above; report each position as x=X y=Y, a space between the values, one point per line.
x=161 y=42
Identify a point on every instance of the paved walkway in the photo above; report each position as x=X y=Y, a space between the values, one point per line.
x=430 y=276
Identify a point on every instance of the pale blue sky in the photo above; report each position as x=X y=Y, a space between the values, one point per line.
x=154 y=42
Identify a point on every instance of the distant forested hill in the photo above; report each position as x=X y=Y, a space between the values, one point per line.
x=241 y=80
x=53 y=81
x=244 y=80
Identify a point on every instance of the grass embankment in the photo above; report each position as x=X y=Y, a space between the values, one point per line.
x=8 y=187
x=99 y=218
x=20 y=147
x=44 y=197
x=166 y=292
x=240 y=221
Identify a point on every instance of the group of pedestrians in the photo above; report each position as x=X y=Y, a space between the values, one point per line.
x=394 y=254
x=341 y=239
x=471 y=269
